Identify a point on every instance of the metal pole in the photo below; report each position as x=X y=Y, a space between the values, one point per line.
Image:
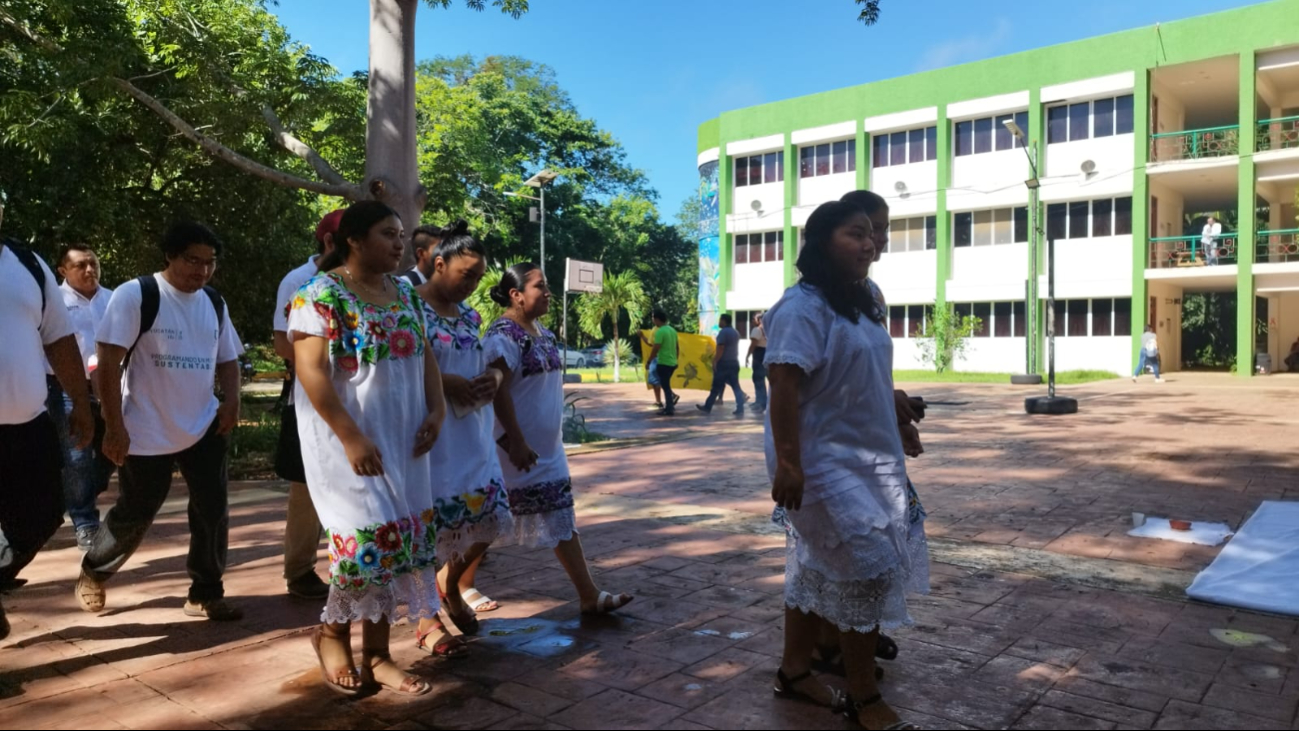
x=542 y=263
x=1033 y=249
x=1050 y=316
x=563 y=328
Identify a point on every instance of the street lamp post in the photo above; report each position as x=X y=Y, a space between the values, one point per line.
x=539 y=182
x=1030 y=377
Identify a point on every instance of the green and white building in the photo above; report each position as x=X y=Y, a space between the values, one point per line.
x=1138 y=136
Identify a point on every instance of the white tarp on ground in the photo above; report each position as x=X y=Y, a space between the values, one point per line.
x=1259 y=569
x=1200 y=534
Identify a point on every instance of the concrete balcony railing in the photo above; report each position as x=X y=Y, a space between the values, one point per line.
x=1278 y=134
x=1195 y=144
x=1277 y=247
x=1171 y=252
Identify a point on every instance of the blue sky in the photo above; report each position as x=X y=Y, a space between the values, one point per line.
x=651 y=72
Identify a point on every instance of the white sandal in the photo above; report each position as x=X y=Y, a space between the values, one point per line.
x=479 y=601
x=608 y=603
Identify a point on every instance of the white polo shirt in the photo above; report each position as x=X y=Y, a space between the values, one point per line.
x=85 y=315
x=25 y=330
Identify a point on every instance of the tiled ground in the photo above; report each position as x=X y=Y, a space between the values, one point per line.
x=1043 y=615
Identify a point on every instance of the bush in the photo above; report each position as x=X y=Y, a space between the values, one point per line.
x=945 y=338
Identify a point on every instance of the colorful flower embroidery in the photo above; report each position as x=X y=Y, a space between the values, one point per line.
x=402 y=343
x=460 y=333
x=542 y=497
x=359 y=332
x=472 y=507
x=374 y=555
x=388 y=537
x=540 y=354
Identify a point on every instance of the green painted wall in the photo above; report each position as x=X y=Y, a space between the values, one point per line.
x=791 y=199
x=1246 y=222
x=1140 y=217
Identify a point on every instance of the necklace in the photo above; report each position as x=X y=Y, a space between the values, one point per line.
x=363 y=285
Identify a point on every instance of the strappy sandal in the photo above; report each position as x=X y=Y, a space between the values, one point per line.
x=829 y=660
x=886 y=648
x=479 y=602
x=334 y=682
x=449 y=647
x=467 y=625
x=786 y=690
x=608 y=603
x=413 y=685
x=854 y=708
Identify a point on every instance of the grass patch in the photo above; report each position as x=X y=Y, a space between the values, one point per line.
x=253 y=443
x=1064 y=378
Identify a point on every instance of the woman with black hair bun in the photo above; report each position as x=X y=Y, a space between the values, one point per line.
x=529 y=430
x=855 y=544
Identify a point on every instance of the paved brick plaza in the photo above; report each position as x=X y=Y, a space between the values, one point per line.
x=1043 y=615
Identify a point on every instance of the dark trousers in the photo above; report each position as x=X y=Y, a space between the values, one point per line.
x=760 y=378
x=665 y=381
x=31 y=489
x=144 y=483
x=726 y=374
x=86 y=472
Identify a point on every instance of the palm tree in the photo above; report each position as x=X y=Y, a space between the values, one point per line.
x=622 y=291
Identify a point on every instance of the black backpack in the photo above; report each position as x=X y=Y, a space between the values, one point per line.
x=32 y=263
x=151 y=301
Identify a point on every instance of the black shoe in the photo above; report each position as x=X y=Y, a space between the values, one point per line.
x=703 y=408
x=4 y=623
x=676 y=398
x=309 y=586
x=86 y=537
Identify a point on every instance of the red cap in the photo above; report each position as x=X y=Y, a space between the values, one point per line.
x=328 y=225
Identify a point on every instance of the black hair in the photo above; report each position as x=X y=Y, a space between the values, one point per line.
x=868 y=201
x=660 y=314
x=430 y=234
x=847 y=298
x=356 y=222
x=66 y=249
x=455 y=240
x=511 y=279
x=186 y=233
x=724 y=320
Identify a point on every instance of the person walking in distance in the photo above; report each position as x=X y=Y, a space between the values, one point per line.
x=35 y=329
x=301 y=525
x=163 y=339
x=370 y=407
x=1149 y=355
x=1209 y=240
x=423 y=240
x=664 y=351
x=85 y=471
x=529 y=430
x=757 y=356
x=726 y=367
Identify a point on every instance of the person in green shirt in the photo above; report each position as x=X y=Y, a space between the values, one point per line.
x=665 y=350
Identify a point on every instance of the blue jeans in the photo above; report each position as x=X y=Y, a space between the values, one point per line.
x=726 y=374
x=1147 y=360
x=759 y=378
x=85 y=471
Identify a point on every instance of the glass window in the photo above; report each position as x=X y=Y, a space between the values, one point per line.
x=983 y=135
x=1102 y=217
x=1001 y=320
x=771 y=249
x=916 y=141
x=1021 y=225
x=898 y=321
x=931 y=232
x=1021 y=321
x=1021 y=118
x=916 y=320
x=771 y=167
x=962 y=234
x=806 y=162
x=1103 y=111
x=1080 y=121
x=897 y=236
x=1102 y=314
x=1057 y=125
x=1003 y=226
x=823 y=159
x=741 y=249
x=741 y=172
x=852 y=155
x=1078 y=220
x=1123 y=115
x=880 y=151
x=1004 y=139
x=1123 y=317
x=841 y=157
x=1057 y=221
x=983 y=311
x=964 y=138
x=898 y=148
x=755 y=170
x=1059 y=310
x=931 y=143
x=1077 y=319
x=1123 y=216
x=983 y=228
x=963 y=310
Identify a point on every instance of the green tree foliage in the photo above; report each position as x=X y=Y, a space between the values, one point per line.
x=622 y=293
x=945 y=337
x=870 y=11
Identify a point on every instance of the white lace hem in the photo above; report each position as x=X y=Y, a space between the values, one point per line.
x=496 y=529
x=790 y=357
x=545 y=530
x=411 y=595
x=860 y=605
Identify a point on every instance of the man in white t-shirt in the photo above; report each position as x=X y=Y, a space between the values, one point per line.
x=34 y=329
x=1209 y=240
x=424 y=240
x=85 y=471
x=301 y=525
x=162 y=413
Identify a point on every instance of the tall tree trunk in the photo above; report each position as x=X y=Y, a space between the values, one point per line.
x=617 y=377
x=391 y=163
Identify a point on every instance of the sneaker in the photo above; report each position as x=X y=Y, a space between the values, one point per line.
x=90 y=593
x=216 y=610
x=309 y=586
x=704 y=409
x=86 y=537
x=1134 y=379
x=1159 y=380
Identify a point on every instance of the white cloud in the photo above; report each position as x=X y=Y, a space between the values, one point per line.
x=969 y=48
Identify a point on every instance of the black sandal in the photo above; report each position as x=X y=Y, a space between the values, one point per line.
x=886 y=648
x=853 y=712
x=830 y=661
x=787 y=691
